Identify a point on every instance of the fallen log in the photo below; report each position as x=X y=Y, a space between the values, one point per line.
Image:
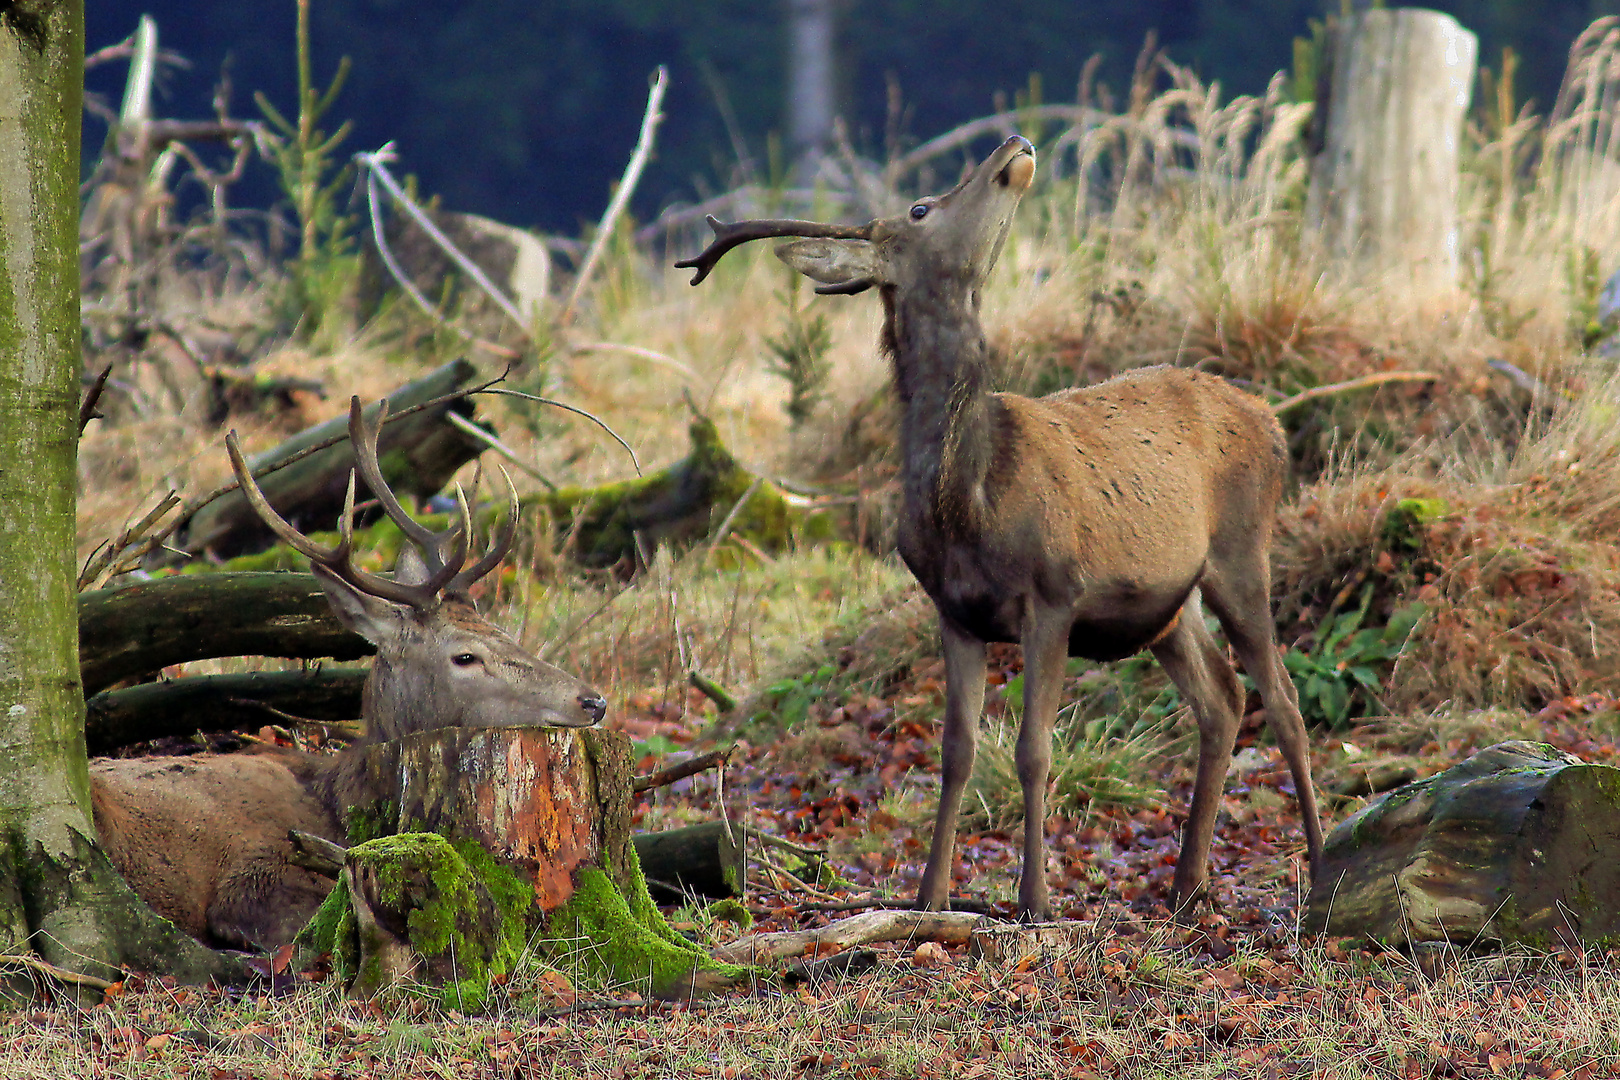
x=418 y=454
x=469 y=844
x=137 y=629
x=945 y=927
x=682 y=504
x=115 y=718
x=704 y=859
x=1519 y=843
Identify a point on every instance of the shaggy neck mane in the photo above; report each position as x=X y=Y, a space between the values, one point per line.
x=933 y=338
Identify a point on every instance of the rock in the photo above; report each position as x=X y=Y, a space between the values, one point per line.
x=1519 y=843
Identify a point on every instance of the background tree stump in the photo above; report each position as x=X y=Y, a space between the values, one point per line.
x=481 y=841
x=1520 y=843
x=1391 y=100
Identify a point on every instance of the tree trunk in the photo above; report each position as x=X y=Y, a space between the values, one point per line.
x=475 y=842
x=1520 y=843
x=1384 y=186
x=811 y=29
x=418 y=455
x=135 y=630
x=58 y=894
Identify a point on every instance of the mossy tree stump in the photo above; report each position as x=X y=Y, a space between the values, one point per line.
x=471 y=843
x=1519 y=843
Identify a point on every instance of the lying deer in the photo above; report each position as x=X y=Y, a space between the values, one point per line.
x=1093 y=522
x=204 y=839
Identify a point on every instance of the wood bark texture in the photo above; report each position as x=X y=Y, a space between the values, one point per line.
x=418 y=454
x=116 y=718
x=706 y=859
x=543 y=801
x=1519 y=843
x=868 y=928
x=138 y=629
x=59 y=896
x=1384 y=186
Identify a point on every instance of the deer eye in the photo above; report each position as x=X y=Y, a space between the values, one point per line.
x=465 y=659
x=919 y=211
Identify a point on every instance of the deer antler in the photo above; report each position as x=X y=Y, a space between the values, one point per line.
x=728 y=236
x=339 y=559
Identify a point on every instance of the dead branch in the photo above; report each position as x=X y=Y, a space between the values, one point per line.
x=712 y=690
x=376 y=168
x=87 y=407
x=62 y=975
x=1365 y=382
x=681 y=770
x=621 y=197
x=945 y=927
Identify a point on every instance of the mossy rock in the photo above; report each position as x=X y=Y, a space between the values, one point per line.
x=1519 y=843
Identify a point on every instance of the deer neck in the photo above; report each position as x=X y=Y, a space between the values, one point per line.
x=942 y=378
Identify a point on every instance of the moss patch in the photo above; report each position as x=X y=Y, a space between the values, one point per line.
x=626 y=940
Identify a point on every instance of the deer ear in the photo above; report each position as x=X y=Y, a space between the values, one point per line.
x=842 y=266
x=374 y=619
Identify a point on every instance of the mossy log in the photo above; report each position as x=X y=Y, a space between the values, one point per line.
x=418 y=454
x=530 y=841
x=115 y=718
x=681 y=504
x=1519 y=843
x=137 y=629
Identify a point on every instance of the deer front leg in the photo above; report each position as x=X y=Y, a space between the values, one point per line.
x=964 y=701
x=1046 y=654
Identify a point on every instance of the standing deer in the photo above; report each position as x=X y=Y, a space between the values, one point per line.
x=204 y=839
x=1092 y=522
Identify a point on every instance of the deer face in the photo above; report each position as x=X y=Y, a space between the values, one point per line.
x=952 y=238
x=439 y=663
x=447 y=666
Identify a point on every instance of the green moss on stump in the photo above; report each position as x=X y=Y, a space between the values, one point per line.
x=626 y=940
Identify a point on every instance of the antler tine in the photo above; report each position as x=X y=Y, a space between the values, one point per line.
x=328 y=557
x=363 y=437
x=498 y=550
x=728 y=236
x=338 y=559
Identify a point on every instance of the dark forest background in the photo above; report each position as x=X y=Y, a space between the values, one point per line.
x=526 y=110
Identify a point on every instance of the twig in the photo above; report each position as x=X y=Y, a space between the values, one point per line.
x=87 y=407
x=34 y=963
x=107 y=552
x=461 y=423
x=621 y=197
x=375 y=164
x=652 y=356
x=568 y=408
x=731 y=516
x=1075 y=114
x=777 y=869
x=681 y=770
x=712 y=690
x=1365 y=382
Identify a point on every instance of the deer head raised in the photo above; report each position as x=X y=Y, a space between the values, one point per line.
x=439 y=662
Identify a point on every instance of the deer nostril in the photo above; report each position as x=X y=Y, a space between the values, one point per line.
x=595 y=706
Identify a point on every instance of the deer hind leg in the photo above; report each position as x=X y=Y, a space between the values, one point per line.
x=1242 y=601
x=1046 y=653
x=964 y=701
x=1199 y=668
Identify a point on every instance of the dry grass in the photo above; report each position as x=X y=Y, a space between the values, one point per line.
x=1128 y=1000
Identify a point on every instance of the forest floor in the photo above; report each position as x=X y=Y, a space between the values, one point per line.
x=1238 y=994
